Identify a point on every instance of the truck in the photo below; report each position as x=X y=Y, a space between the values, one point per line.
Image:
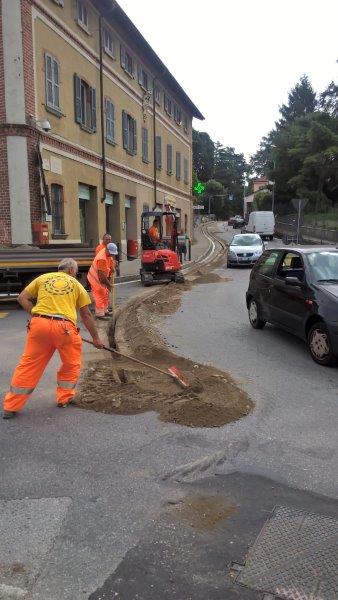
x=19 y=265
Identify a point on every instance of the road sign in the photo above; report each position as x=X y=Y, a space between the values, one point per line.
x=299 y=203
x=199 y=188
x=198 y=206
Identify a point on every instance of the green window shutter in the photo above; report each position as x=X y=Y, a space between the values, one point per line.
x=77 y=99
x=93 y=102
x=134 y=136
x=158 y=153
x=123 y=57
x=125 y=129
x=169 y=159
x=178 y=165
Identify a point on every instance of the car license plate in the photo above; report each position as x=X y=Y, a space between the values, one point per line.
x=245 y=258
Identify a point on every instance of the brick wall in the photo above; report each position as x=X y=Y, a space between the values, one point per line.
x=34 y=180
x=28 y=64
x=5 y=220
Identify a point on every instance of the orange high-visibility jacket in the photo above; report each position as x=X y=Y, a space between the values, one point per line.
x=154 y=234
x=103 y=263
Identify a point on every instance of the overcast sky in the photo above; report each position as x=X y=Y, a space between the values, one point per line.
x=237 y=59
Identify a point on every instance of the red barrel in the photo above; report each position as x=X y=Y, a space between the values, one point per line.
x=132 y=249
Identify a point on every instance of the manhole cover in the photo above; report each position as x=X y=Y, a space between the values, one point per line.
x=295 y=557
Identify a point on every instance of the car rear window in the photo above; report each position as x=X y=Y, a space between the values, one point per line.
x=266 y=264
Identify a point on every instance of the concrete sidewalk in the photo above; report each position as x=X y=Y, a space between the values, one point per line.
x=131 y=268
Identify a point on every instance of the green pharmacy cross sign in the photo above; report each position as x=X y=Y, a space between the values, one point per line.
x=199 y=188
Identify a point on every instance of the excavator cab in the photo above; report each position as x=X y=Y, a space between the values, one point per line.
x=159 y=241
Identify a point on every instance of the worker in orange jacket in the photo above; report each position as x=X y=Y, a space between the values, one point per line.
x=154 y=232
x=106 y=239
x=99 y=278
x=52 y=327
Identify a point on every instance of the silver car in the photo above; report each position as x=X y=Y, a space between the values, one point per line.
x=245 y=249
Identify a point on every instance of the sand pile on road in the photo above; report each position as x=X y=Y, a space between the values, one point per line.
x=118 y=386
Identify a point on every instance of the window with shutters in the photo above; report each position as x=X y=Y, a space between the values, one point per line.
x=177 y=114
x=158 y=152
x=169 y=159
x=127 y=62
x=168 y=105
x=52 y=76
x=178 y=166
x=110 y=121
x=57 y=209
x=145 y=156
x=157 y=95
x=108 y=42
x=143 y=78
x=85 y=104
x=185 y=123
x=82 y=14
x=186 y=170
x=129 y=133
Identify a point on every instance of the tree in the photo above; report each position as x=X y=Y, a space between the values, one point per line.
x=328 y=100
x=215 y=191
x=230 y=168
x=203 y=155
x=301 y=101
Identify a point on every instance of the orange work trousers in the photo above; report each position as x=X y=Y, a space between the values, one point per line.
x=101 y=298
x=44 y=337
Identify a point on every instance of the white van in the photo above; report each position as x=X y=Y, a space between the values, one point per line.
x=261 y=222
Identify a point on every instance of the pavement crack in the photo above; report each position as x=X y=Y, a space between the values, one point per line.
x=204 y=464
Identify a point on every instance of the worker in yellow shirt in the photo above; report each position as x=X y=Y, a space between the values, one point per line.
x=52 y=327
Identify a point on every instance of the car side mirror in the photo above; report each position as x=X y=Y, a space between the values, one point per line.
x=294 y=281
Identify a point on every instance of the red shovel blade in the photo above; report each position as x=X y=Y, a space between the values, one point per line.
x=175 y=372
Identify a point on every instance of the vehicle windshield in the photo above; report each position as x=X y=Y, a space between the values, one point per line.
x=324 y=266
x=246 y=240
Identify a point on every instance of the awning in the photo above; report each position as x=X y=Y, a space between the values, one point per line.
x=84 y=192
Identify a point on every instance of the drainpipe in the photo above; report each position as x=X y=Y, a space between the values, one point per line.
x=103 y=144
x=154 y=143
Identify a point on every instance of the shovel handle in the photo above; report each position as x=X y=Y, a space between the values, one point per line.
x=140 y=362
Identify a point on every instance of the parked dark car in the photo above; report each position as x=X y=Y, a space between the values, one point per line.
x=238 y=222
x=297 y=289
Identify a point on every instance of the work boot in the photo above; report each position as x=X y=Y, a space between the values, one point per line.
x=64 y=405
x=8 y=414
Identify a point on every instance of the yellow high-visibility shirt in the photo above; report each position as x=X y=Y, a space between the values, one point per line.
x=58 y=294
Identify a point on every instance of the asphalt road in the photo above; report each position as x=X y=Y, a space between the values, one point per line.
x=291 y=436
x=105 y=506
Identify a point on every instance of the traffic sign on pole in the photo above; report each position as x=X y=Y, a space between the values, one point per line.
x=299 y=204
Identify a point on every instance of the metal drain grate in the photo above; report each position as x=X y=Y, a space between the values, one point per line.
x=295 y=557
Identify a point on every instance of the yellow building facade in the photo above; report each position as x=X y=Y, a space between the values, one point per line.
x=120 y=138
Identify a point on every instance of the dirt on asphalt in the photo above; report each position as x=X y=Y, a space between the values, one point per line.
x=116 y=385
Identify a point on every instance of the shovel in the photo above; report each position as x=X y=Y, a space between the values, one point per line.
x=173 y=372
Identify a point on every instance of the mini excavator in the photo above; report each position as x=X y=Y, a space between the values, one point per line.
x=160 y=257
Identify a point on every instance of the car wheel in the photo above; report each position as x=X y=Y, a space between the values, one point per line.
x=320 y=345
x=271 y=238
x=254 y=318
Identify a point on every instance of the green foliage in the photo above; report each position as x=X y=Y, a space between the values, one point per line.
x=217 y=194
x=301 y=101
x=203 y=155
x=262 y=201
x=230 y=168
x=328 y=100
x=301 y=153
